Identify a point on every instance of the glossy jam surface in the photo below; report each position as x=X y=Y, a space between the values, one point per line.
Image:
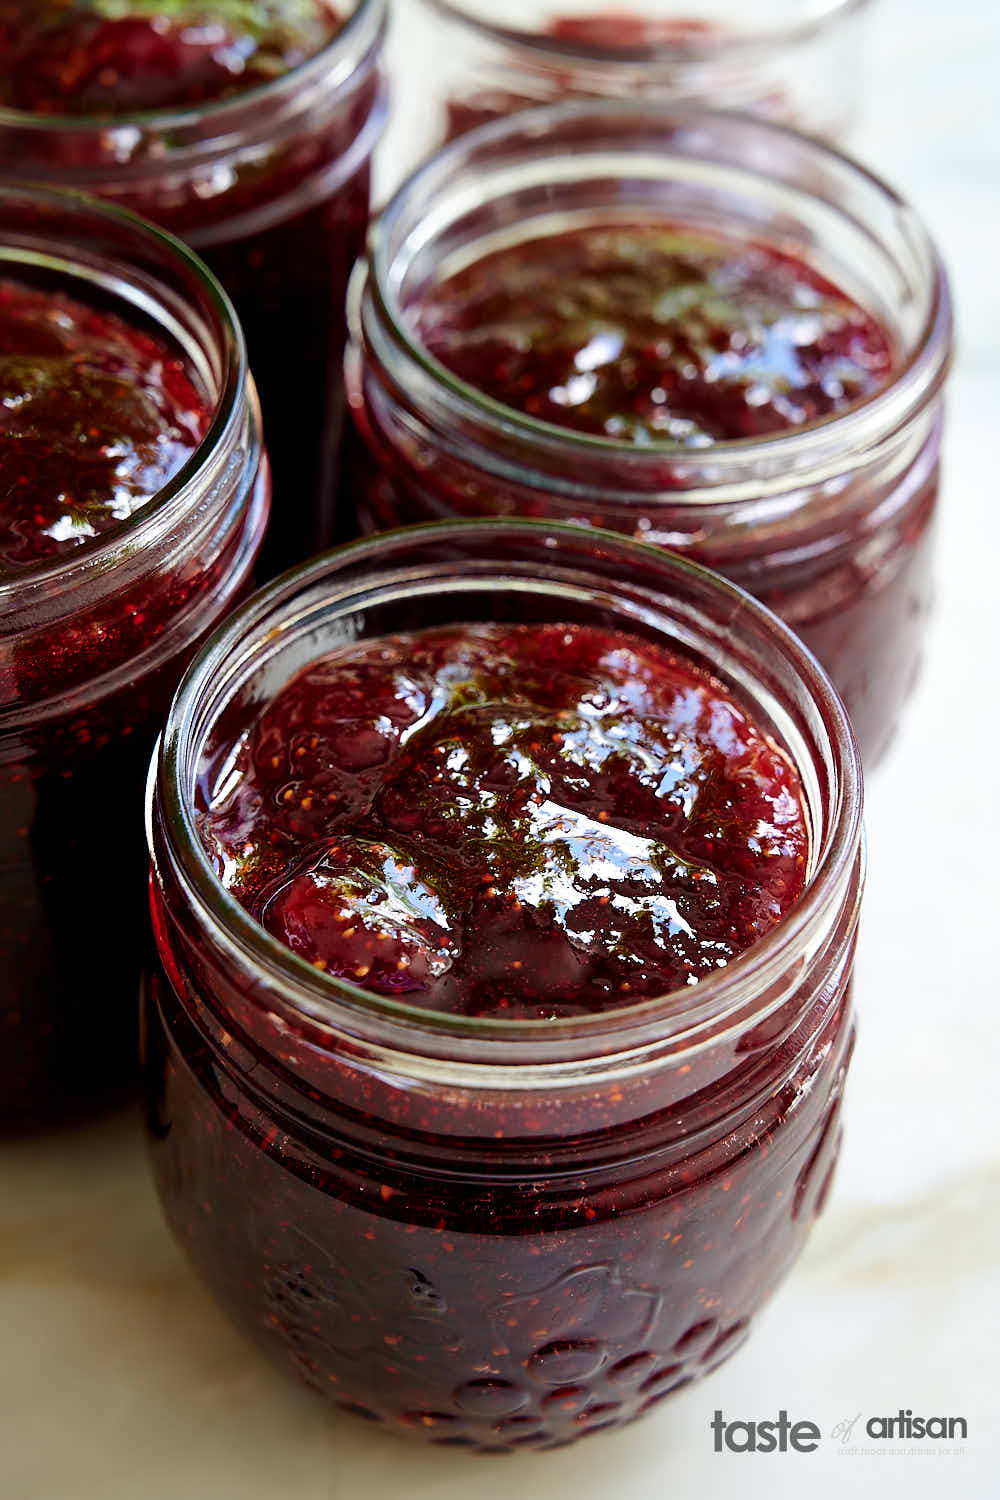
x=548 y=75
x=95 y=417
x=513 y=822
x=521 y=822
x=647 y=333
x=64 y=57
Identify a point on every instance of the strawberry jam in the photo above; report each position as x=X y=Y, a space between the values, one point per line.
x=645 y=332
x=704 y=332
x=781 y=60
x=133 y=498
x=245 y=127
x=505 y=897
x=526 y=823
x=106 y=57
x=95 y=417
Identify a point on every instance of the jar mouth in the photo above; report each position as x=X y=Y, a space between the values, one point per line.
x=510 y=145
x=132 y=286
x=339 y=59
x=555 y=550
x=695 y=49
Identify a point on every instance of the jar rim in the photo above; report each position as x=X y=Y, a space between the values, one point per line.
x=136 y=532
x=916 y=379
x=311 y=996
x=339 y=55
x=697 y=49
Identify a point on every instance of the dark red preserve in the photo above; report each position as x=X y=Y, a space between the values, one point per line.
x=642 y=327
x=134 y=499
x=647 y=331
x=247 y=129
x=524 y=822
x=105 y=57
x=505 y=887
x=95 y=417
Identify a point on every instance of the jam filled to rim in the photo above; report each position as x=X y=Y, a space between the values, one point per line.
x=95 y=417
x=650 y=332
x=520 y=822
x=119 y=56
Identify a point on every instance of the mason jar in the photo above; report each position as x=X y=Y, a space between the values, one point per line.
x=489 y=1232
x=829 y=522
x=457 y=64
x=92 y=644
x=271 y=187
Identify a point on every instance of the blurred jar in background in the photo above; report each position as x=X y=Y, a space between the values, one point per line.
x=125 y=537
x=460 y=63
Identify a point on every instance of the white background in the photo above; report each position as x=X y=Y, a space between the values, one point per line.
x=119 y=1380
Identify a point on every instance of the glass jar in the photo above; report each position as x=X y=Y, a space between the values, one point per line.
x=830 y=523
x=486 y=1232
x=271 y=187
x=456 y=65
x=92 y=644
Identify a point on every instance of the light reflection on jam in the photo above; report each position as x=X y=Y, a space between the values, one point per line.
x=651 y=333
x=95 y=417
x=512 y=821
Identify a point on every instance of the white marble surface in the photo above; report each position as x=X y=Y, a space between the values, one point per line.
x=120 y=1380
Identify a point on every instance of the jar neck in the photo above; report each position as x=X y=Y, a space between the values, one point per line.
x=242 y=983
x=553 y=1127
x=574 y=164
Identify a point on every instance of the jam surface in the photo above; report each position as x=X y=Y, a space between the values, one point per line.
x=522 y=822
x=95 y=417
x=117 y=56
x=653 y=333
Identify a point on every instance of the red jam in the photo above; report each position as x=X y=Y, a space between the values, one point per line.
x=105 y=57
x=522 y=822
x=645 y=333
x=95 y=417
x=269 y=209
